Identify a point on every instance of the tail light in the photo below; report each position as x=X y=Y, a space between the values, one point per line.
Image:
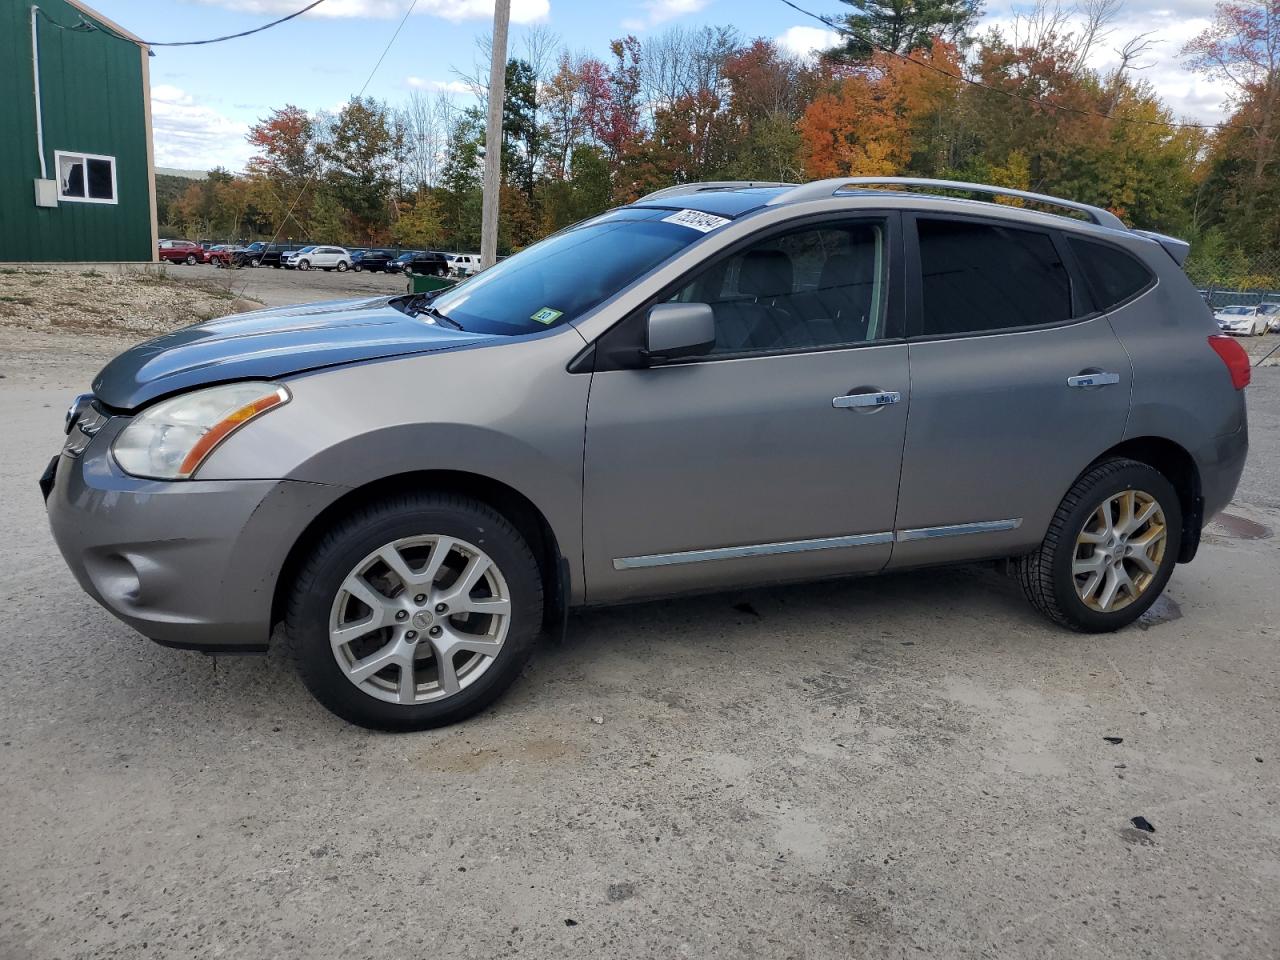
x=1235 y=357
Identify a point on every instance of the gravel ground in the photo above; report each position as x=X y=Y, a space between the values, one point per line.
x=279 y=287
x=101 y=302
x=905 y=766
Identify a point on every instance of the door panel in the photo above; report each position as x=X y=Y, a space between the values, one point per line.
x=996 y=434
x=746 y=452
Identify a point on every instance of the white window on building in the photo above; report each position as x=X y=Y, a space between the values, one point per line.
x=86 y=177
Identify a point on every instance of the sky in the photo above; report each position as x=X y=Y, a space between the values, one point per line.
x=204 y=98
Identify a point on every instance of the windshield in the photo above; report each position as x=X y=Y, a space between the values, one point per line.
x=561 y=278
x=1237 y=311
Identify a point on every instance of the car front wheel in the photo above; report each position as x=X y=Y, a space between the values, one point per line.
x=356 y=267
x=342 y=266
x=303 y=265
x=1110 y=548
x=415 y=612
x=191 y=259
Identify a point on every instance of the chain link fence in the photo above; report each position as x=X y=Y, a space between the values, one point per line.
x=1229 y=280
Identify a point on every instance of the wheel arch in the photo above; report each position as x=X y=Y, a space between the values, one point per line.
x=1179 y=467
x=523 y=514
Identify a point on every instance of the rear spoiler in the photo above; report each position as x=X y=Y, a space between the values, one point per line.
x=1178 y=249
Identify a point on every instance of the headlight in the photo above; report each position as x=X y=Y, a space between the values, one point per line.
x=170 y=440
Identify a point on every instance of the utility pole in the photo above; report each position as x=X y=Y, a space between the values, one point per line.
x=493 y=136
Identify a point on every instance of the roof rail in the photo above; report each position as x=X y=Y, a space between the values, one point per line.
x=683 y=189
x=821 y=189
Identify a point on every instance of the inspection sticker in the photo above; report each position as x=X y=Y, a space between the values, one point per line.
x=546 y=315
x=696 y=220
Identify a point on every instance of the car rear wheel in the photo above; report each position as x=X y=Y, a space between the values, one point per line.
x=415 y=612
x=1110 y=548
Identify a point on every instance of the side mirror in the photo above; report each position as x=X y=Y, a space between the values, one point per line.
x=674 y=330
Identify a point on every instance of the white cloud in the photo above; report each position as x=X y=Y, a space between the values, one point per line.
x=522 y=11
x=1190 y=96
x=807 y=41
x=448 y=86
x=192 y=136
x=660 y=11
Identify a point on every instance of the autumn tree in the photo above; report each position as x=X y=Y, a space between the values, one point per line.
x=360 y=154
x=1242 y=48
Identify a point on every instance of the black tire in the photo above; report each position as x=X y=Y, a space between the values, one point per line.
x=357 y=267
x=191 y=259
x=342 y=266
x=255 y=262
x=353 y=538
x=1046 y=574
x=303 y=265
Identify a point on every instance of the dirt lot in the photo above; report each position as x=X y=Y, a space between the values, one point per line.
x=906 y=766
x=280 y=287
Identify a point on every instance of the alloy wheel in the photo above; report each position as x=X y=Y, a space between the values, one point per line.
x=1119 y=550
x=420 y=619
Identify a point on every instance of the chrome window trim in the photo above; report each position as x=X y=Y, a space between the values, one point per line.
x=820 y=543
x=752 y=550
x=958 y=529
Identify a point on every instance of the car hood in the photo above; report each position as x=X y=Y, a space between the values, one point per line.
x=269 y=343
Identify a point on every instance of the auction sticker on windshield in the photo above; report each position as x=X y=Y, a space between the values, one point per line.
x=546 y=315
x=696 y=220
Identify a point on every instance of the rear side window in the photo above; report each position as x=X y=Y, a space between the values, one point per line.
x=981 y=277
x=1113 y=275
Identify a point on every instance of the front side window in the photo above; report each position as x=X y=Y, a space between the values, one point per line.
x=562 y=277
x=816 y=287
x=86 y=177
x=984 y=277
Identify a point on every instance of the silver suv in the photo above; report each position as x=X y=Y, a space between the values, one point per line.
x=719 y=385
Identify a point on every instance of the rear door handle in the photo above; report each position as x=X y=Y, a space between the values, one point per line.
x=1099 y=379
x=879 y=398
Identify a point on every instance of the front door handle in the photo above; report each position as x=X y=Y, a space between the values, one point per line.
x=1099 y=379
x=878 y=398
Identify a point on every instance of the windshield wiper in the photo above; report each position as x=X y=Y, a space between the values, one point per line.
x=421 y=303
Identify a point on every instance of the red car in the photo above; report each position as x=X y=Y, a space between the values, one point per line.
x=182 y=251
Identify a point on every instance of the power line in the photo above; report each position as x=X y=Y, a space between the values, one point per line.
x=365 y=86
x=86 y=24
x=846 y=31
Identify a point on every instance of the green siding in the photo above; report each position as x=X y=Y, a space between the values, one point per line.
x=93 y=99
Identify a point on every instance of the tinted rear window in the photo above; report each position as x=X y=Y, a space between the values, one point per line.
x=1113 y=275
x=979 y=277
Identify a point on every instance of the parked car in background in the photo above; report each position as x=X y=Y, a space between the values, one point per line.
x=375 y=261
x=464 y=264
x=1271 y=311
x=1242 y=320
x=262 y=254
x=422 y=261
x=717 y=386
x=182 y=251
x=222 y=254
x=320 y=258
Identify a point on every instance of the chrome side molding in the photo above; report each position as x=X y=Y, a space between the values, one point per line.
x=804 y=546
x=958 y=529
x=754 y=550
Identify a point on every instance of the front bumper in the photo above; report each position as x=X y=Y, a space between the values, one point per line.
x=190 y=564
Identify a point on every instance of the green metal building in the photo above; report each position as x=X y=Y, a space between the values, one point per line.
x=77 y=169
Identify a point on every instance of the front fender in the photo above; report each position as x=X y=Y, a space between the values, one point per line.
x=508 y=411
